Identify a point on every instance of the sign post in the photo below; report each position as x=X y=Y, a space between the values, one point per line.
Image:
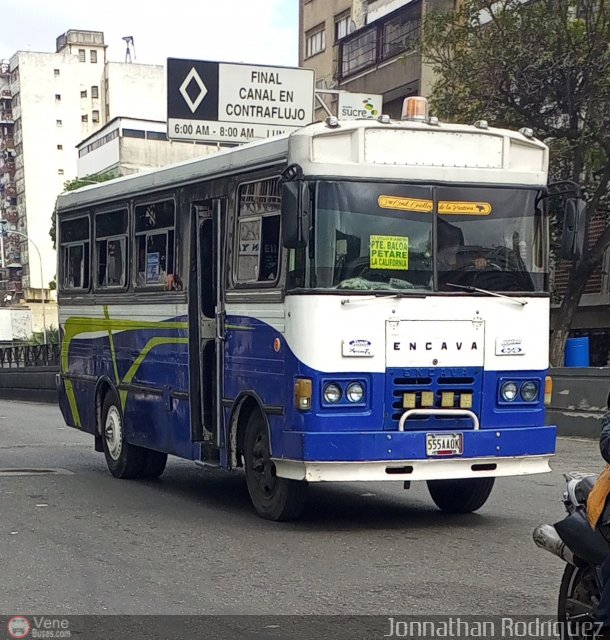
x=227 y=102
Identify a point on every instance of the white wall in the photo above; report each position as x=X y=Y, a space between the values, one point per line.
x=15 y=324
x=21 y=323
x=101 y=159
x=136 y=90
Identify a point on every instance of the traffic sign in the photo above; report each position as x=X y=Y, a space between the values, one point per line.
x=230 y=102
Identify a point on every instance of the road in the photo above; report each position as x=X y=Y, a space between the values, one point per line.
x=82 y=542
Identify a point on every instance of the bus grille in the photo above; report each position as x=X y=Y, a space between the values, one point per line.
x=434 y=388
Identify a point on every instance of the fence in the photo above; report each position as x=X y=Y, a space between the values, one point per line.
x=27 y=372
x=31 y=355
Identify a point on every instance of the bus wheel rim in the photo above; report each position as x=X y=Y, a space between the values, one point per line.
x=113 y=432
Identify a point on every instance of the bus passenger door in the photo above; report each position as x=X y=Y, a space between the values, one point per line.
x=210 y=315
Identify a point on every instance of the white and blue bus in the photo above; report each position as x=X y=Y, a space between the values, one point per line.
x=356 y=301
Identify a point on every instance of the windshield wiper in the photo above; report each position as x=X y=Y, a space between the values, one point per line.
x=489 y=293
x=381 y=294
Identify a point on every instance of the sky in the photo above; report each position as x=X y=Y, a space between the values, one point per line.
x=250 y=31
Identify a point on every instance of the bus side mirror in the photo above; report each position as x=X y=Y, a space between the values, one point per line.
x=573 y=237
x=295 y=214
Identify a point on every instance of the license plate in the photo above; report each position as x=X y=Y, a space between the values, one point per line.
x=444 y=444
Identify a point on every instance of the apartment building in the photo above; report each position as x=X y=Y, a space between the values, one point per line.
x=366 y=46
x=49 y=103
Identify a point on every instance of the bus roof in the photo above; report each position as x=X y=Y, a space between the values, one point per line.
x=353 y=147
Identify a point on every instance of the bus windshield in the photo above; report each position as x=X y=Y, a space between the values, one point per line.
x=415 y=238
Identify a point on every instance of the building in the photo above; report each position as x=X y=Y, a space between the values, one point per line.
x=366 y=46
x=128 y=145
x=49 y=103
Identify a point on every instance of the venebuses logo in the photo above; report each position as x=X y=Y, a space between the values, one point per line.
x=18 y=627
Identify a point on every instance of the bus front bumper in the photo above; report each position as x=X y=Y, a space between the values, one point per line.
x=392 y=455
x=440 y=469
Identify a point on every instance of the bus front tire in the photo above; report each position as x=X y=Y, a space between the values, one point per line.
x=124 y=460
x=464 y=495
x=273 y=498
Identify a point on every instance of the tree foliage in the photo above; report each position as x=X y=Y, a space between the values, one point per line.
x=73 y=185
x=542 y=64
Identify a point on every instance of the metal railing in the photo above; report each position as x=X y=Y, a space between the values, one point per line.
x=390 y=36
x=30 y=355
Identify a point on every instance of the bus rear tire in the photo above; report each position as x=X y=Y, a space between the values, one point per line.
x=273 y=498
x=124 y=460
x=154 y=465
x=464 y=495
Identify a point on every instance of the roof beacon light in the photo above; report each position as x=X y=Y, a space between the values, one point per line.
x=414 y=108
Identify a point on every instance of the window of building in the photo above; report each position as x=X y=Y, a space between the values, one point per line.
x=134 y=133
x=111 y=249
x=93 y=56
x=84 y=118
x=55 y=72
x=60 y=172
x=83 y=94
x=315 y=40
x=74 y=238
x=81 y=55
x=155 y=223
x=59 y=123
x=95 y=92
x=342 y=25
x=156 y=135
x=60 y=147
x=57 y=97
x=400 y=33
x=258 y=232
x=95 y=116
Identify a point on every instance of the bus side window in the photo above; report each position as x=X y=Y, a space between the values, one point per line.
x=258 y=232
x=74 y=236
x=155 y=224
x=111 y=244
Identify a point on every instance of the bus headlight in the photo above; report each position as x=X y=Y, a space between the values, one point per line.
x=332 y=393
x=508 y=391
x=529 y=391
x=354 y=392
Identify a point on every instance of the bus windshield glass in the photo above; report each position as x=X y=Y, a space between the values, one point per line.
x=416 y=238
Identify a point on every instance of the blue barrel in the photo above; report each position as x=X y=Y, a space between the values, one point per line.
x=577 y=352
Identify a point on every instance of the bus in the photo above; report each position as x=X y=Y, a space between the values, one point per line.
x=360 y=300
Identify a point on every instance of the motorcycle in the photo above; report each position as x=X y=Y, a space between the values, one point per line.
x=583 y=550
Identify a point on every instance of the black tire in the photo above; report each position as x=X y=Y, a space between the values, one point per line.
x=460 y=496
x=154 y=465
x=124 y=460
x=578 y=597
x=273 y=498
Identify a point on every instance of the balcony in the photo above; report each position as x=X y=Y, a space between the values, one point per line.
x=6 y=117
x=7 y=144
x=10 y=215
x=366 y=49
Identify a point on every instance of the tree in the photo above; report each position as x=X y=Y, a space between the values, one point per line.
x=542 y=64
x=73 y=185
